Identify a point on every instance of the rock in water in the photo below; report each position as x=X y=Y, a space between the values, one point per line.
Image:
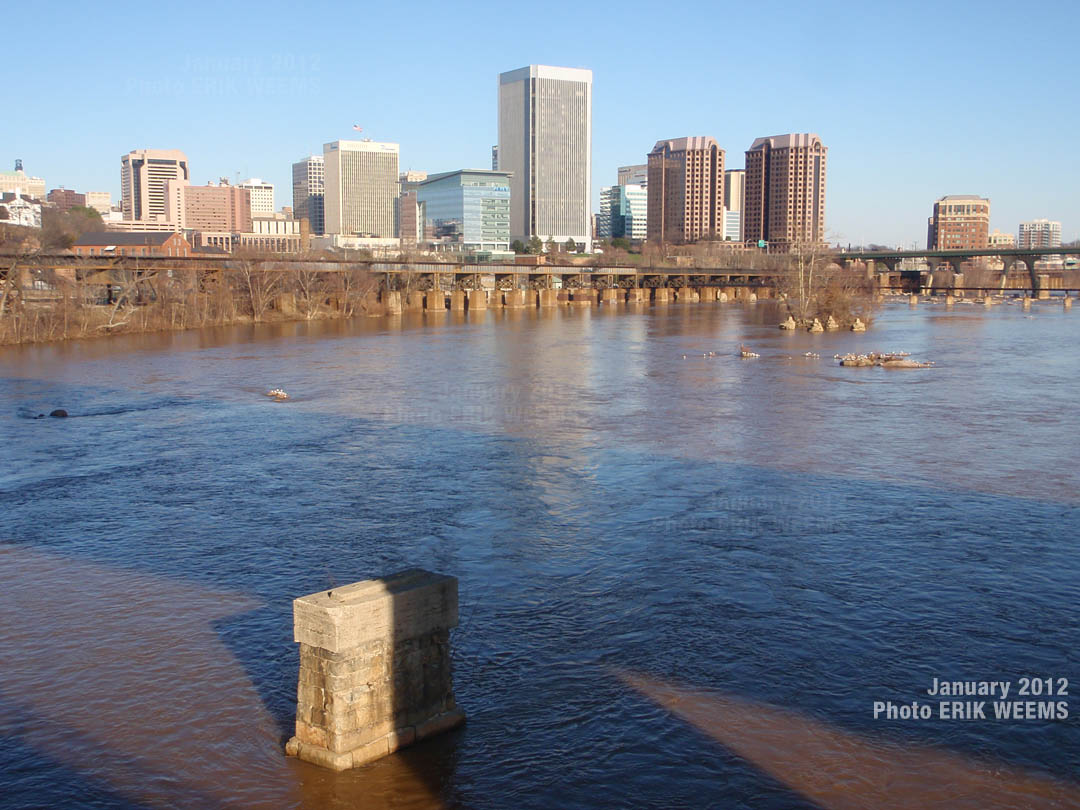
x=858 y=326
x=59 y=413
x=816 y=326
x=788 y=324
x=831 y=323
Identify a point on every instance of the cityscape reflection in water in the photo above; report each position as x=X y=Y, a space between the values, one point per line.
x=778 y=531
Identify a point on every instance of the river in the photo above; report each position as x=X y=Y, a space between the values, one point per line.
x=684 y=579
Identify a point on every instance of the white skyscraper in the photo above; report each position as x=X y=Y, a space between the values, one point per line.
x=545 y=142
x=309 y=190
x=1039 y=233
x=361 y=188
x=262 y=196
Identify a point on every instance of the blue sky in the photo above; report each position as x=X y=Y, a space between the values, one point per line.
x=915 y=100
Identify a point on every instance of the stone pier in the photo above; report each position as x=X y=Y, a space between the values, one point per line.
x=1067 y=303
x=610 y=295
x=495 y=299
x=709 y=293
x=1026 y=303
x=636 y=295
x=457 y=301
x=414 y=301
x=393 y=302
x=515 y=299
x=549 y=298
x=913 y=300
x=477 y=300
x=687 y=295
x=375 y=671
x=662 y=295
x=1044 y=286
x=435 y=300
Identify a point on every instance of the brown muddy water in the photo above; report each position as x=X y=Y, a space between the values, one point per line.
x=684 y=580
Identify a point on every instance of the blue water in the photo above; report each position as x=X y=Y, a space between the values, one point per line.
x=781 y=529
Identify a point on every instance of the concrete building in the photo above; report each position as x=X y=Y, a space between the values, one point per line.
x=19 y=209
x=1001 y=240
x=215 y=207
x=144 y=175
x=361 y=188
x=545 y=143
x=734 y=192
x=273 y=234
x=262 y=196
x=784 y=191
x=959 y=221
x=623 y=213
x=637 y=175
x=115 y=243
x=19 y=181
x=309 y=188
x=100 y=201
x=467 y=210
x=64 y=199
x=686 y=190
x=1039 y=233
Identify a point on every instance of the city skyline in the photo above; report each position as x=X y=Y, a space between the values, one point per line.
x=255 y=108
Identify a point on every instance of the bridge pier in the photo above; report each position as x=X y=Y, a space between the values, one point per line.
x=477 y=300
x=635 y=295
x=435 y=300
x=457 y=301
x=661 y=295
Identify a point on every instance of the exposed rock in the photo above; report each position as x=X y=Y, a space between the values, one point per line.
x=831 y=323
x=858 y=326
x=789 y=323
x=816 y=326
x=59 y=413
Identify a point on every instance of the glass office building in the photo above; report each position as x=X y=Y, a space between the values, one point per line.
x=623 y=213
x=467 y=210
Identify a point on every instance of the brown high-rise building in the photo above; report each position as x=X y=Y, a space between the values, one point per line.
x=686 y=190
x=784 y=201
x=959 y=222
x=217 y=208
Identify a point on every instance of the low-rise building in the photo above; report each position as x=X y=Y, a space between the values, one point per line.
x=117 y=243
x=19 y=209
x=467 y=210
x=100 y=201
x=1001 y=240
x=64 y=199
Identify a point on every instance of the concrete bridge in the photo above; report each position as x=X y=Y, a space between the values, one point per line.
x=751 y=270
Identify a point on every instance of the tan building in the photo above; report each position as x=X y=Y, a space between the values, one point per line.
x=20 y=182
x=959 y=222
x=1001 y=240
x=686 y=190
x=784 y=196
x=144 y=176
x=100 y=201
x=213 y=207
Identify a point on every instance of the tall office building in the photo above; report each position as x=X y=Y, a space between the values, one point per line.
x=545 y=143
x=623 y=212
x=959 y=221
x=634 y=175
x=217 y=207
x=686 y=190
x=262 y=196
x=784 y=197
x=410 y=213
x=308 y=190
x=734 y=191
x=361 y=188
x=495 y=158
x=1039 y=233
x=144 y=175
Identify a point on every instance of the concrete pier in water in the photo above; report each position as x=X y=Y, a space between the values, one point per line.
x=477 y=300
x=435 y=300
x=375 y=670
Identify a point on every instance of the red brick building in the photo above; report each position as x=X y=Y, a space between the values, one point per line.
x=118 y=243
